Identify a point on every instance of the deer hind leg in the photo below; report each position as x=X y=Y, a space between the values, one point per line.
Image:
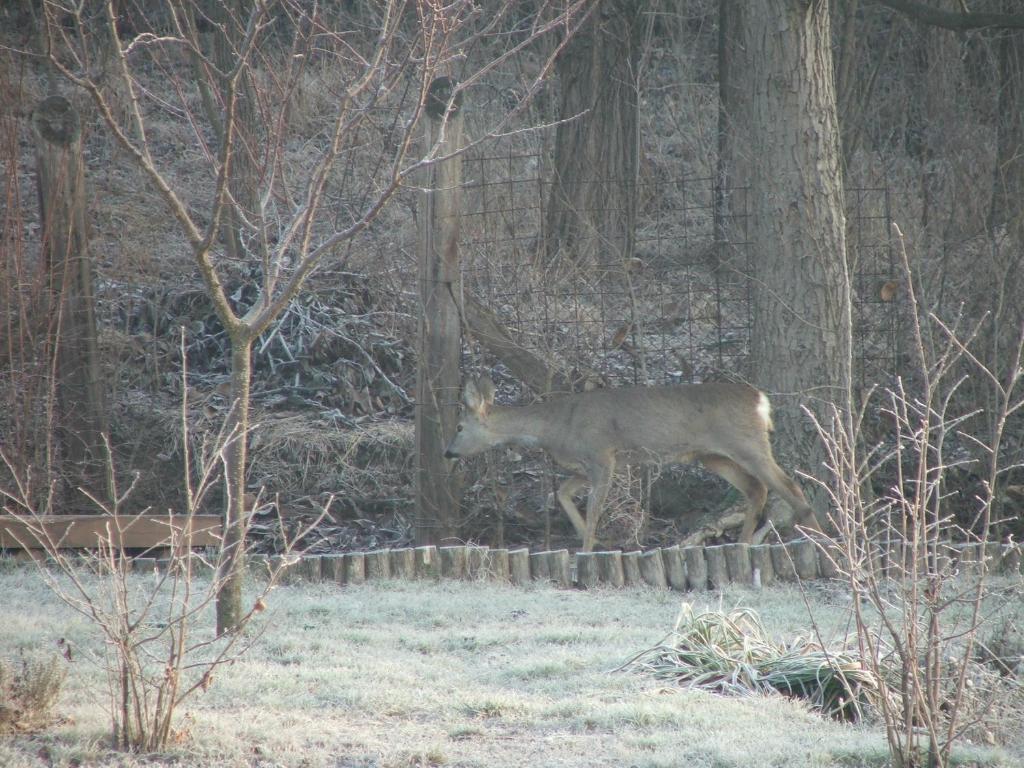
x=565 y=492
x=600 y=479
x=747 y=484
x=765 y=467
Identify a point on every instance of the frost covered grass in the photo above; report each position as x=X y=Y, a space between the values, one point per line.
x=399 y=674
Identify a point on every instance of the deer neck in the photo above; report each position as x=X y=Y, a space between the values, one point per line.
x=521 y=425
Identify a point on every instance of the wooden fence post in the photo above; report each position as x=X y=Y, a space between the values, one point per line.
x=782 y=562
x=355 y=567
x=696 y=567
x=428 y=562
x=438 y=488
x=453 y=562
x=652 y=567
x=737 y=561
x=631 y=568
x=761 y=563
x=586 y=570
x=675 y=567
x=558 y=565
x=805 y=558
x=519 y=566
x=718 y=571
x=609 y=568
x=540 y=569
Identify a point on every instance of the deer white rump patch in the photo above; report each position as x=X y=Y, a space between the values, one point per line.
x=764 y=410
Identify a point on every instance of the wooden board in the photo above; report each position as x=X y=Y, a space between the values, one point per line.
x=127 y=531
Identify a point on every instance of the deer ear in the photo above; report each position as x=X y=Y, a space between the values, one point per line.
x=486 y=389
x=472 y=398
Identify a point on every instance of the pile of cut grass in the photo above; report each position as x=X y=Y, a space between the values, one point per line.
x=731 y=653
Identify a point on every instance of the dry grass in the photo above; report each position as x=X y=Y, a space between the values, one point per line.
x=453 y=674
x=29 y=689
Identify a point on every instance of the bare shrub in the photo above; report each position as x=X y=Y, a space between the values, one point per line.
x=920 y=577
x=29 y=690
x=153 y=657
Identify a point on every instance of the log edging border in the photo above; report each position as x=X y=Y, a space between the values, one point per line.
x=677 y=568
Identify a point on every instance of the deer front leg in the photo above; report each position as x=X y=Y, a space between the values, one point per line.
x=564 y=495
x=600 y=477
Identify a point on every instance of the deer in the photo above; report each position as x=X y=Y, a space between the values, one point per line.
x=724 y=426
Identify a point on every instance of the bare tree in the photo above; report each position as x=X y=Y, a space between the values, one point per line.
x=306 y=209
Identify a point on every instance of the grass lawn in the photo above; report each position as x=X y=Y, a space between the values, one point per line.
x=450 y=674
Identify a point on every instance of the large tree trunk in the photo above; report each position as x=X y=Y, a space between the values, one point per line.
x=801 y=344
x=81 y=420
x=1008 y=186
x=591 y=207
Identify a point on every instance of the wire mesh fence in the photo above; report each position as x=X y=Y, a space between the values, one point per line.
x=677 y=306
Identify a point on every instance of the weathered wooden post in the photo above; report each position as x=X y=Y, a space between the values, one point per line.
x=82 y=421
x=718 y=571
x=438 y=486
x=652 y=568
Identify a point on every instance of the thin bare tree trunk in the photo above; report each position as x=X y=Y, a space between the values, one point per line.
x=232 y=564
x=82 y=416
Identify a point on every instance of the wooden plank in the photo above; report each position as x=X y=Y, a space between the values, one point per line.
x=126 y=531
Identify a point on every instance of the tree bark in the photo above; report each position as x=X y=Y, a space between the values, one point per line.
x=801 y=337
x=591 y=207
x=956 y=20
x=81 y=422
x=733 y=169
x=1008 y=184
x=236 y=426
